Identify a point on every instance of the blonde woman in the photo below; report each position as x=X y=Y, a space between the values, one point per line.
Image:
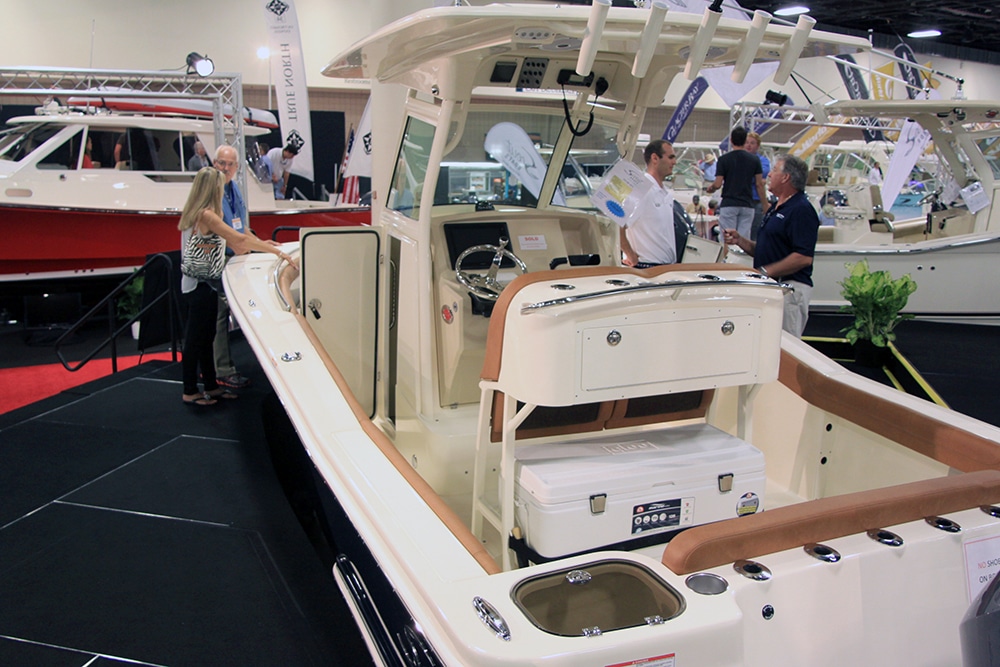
x=202 y=216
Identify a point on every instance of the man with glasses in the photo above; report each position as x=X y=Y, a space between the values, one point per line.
x=648 y=238
x=234 y=213
x=786 y=240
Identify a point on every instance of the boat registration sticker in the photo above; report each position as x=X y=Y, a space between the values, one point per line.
x=656 y=661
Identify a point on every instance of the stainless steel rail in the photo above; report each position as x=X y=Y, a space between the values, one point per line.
x=707 y=280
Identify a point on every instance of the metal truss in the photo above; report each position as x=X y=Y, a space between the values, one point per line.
x=223 y=90
x=764 y=117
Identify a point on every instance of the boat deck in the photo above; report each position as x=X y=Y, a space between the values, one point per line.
x=135 y=529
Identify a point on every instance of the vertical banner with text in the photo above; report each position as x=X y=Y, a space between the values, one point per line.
x=289 y=75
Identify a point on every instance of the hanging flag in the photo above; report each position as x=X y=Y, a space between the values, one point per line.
x=814 y=138
x=913 y=139
x=908 y=73
x=883 y=86
x=684 y=108
x=721 y=80
x=856 y=89
x=288 y=71
x=359 y=161
x=348 y=191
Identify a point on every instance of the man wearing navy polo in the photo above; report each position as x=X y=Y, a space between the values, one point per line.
x=786 y=241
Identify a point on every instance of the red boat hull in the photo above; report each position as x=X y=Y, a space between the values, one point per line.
x=52 y=242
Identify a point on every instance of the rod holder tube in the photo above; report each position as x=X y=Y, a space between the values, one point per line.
x=751 y=43
x=592 y=38
x=701 y=43
x=793 y=48
x=650 y=37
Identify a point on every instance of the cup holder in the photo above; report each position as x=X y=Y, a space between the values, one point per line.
x=706 y=583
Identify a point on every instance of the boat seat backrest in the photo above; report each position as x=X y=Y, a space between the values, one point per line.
x=547 y=421
x=816 y=521
x=498 y=318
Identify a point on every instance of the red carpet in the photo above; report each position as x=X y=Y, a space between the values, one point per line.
x=27 y=384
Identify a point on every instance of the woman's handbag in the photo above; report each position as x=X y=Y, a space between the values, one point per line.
x=204 y=256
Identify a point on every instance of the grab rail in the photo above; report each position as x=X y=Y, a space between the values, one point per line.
x=751 y=279
x=109 y=302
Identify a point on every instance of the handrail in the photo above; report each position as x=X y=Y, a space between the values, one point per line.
x=109 y=303
x=751 y=279
x=283 y=228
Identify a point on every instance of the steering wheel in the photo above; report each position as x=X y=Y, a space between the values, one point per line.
x=487 y=287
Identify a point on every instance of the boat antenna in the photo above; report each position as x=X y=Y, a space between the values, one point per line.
x=93 y=26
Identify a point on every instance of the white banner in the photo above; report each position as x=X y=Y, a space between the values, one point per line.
x=721 y=81
x=913 y=139
x=359 y=160
x=510 y=145
x=289 y=74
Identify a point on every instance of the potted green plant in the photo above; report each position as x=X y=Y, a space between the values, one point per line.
x=129 y=303
x=875 y=299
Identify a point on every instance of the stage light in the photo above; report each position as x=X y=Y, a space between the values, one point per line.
x=199 y=64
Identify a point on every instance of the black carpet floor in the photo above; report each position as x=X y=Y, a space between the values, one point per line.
x=961 y=362
x=137 y=530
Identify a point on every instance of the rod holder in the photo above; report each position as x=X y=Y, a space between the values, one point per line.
x=650 y=36
x=758 y=25
x=793 y=48
x=592 y=38
x=701 y=43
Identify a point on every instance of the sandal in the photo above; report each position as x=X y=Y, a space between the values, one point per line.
x=221 y=392
x=198 y=400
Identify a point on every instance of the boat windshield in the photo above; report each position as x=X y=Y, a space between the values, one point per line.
x=19 y=141
x=502 y=157
x=990 y=146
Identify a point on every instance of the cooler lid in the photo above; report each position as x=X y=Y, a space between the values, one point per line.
x=677 y=457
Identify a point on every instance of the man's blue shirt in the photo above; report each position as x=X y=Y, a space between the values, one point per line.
x=790 y=227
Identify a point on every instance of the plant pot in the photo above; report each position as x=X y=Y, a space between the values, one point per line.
x=866 y=353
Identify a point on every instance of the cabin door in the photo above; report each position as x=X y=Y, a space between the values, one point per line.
x=340 y=301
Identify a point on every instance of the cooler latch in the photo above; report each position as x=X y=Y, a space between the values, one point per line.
x=598 y=502
x=726 y=482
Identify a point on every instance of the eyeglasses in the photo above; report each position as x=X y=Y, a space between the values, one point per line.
x=225 y=163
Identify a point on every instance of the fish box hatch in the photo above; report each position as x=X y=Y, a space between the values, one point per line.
x=596 y=598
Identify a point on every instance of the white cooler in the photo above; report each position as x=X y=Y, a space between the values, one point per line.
x=584 y=494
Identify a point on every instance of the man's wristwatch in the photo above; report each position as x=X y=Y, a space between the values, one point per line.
x=764 y=271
